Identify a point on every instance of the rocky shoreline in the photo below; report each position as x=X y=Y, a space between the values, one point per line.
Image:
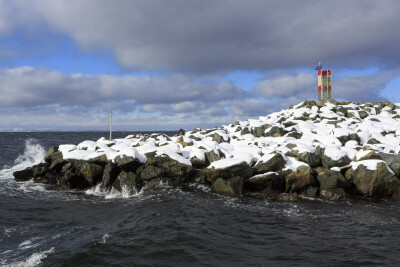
x=332 y=150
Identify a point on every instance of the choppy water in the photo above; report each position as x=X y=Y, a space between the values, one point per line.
x=179 y=227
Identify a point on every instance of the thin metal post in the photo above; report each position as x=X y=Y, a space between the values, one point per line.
x=110 y=124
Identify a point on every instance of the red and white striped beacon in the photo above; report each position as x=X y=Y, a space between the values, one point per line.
x=324 y=83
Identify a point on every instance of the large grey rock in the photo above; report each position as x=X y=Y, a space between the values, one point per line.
x=91 y=172
x=393 y=160
x=275 y=131
x=230 y=187
x=328 y=162
x=151 y=172
x=219 y=139
x=174 y=171
x=241 y=170
x=260 y=182
x=260 y=131
x=127 y=183
x=50 y=153
x=376 y=183
x=23 y=175
x=110 y=174
x=332 y=180
x=128 y=164
x=275 y=163
x=298 y=181
x=308 y=157
x=212 y=156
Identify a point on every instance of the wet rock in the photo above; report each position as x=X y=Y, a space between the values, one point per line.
x=91 y=172
x=262 y=181
x=311 y=191
x=100 y=160
x=332 y=180
x=52 y=150
x=127 y=183
x=110 y=174
x=230 y=187
x=127 y=163
x=151 y=172
x=241 y=169
x=298 y=181
x=175 y=172
x=23 y=175
x=274 y=164
x=333 y=194
x=40 y=169
x=73 y=179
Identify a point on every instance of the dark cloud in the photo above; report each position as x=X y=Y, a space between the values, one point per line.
x=217 y=36
x=28 y=86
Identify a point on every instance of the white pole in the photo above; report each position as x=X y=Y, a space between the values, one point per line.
x=110 y=124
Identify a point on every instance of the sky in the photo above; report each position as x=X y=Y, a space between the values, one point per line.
x=166 y=65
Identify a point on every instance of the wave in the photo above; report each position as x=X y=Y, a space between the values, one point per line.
x=33 y=154
x=33 y=260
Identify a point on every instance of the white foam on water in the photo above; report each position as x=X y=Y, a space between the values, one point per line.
x=113 y=193
x=34 y=260
x=33 y=154
x=104 y=238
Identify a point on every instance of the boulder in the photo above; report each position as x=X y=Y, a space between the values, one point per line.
x=219 y=139
x=333 y=194
x=230 y=187
x=52 y=150
x=73 y=179
x=332 y=180
x=308 y=157
x=91 y=172
x=259 y=182
x=212 y=156
x=181 y=132
x=260 y=131
x=40 y=169
x=276 y=131
x=377 y=181
x=275 y=163
x=298 y=181
x=392 y=160
x=110 y=174
x=127 y=183
x=175 y=172
x=241 y=169
x=100 y=160
x=151 y=172
x=197 y=163
x=23 y=175
x=328 y=162
x=127 y=163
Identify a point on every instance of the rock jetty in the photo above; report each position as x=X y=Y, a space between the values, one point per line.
x=333 y=150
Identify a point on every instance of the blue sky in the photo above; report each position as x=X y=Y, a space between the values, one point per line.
x=184 y=64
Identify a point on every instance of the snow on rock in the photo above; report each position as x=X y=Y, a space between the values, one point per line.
x=316 y=128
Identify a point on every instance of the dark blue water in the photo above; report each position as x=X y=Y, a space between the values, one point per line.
x=179 y=227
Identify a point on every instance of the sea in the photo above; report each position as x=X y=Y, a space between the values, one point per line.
x=188 y=226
